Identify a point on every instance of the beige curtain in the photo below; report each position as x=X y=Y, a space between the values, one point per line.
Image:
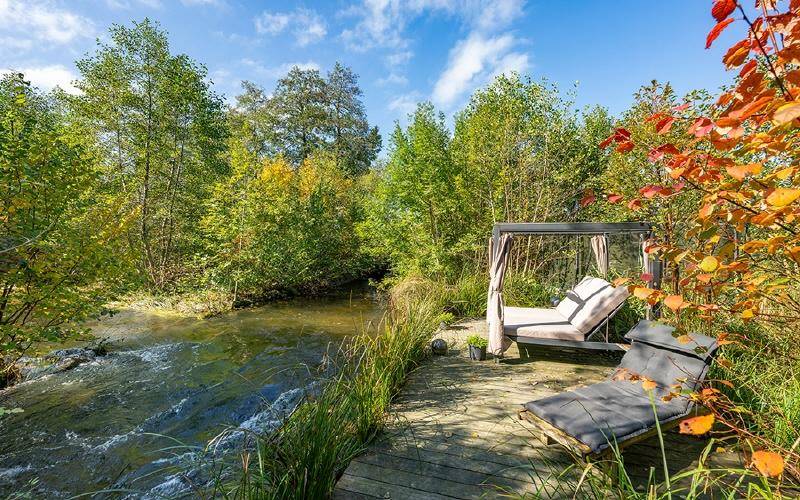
x=498 y=343
x=600 y=248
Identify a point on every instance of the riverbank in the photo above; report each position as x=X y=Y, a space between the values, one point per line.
x=116 y=421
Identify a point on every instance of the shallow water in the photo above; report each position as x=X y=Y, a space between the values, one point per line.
x=169 y=380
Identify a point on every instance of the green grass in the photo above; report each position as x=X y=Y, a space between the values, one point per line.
x=305 y=456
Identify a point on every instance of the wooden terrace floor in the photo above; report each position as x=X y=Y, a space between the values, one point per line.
x=453 y=431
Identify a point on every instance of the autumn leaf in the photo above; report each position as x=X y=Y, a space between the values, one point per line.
x=697 y=426
x=716 y=30
x=783 y=196
x=588 y=199
x=722 y=9
x=739 y=172
x=646 y=277
x=614 y=198
x=674 y=302
x=768 y=463
x=643 y=292
x=648 y=385
x=709 y=264
x=620 y=281
x=786 y=113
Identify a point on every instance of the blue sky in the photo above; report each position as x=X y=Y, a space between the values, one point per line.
x=403 y=51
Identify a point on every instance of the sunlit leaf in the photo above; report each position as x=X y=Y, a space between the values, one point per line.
x=768 y=463
x=697 y=426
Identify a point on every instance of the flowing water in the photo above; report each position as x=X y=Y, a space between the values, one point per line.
x=168 y=380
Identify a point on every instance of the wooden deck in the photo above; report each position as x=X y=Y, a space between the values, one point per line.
x=453 y=432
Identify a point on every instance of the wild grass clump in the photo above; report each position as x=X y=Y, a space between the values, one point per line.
x=305 y=456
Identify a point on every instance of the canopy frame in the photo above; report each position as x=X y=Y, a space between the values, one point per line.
x=605 y=229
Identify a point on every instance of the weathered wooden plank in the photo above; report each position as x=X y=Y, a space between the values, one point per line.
x=424 y=482
x=350 y=486
x=453 y=431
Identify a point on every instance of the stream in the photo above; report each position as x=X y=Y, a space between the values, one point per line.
x=126 y=421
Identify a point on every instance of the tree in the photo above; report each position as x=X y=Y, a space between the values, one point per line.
x=308 y=113
x=57 y=230
x=354 y=143
x=740 y=256
x=162 y=130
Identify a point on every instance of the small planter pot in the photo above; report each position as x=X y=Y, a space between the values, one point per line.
x=477 y=353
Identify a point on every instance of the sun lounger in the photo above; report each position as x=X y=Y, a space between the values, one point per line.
x=577 y=318
x=589 y=420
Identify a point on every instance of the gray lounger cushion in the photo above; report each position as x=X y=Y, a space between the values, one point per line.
x=584 y=307
x=598 y=414
x=539 y=323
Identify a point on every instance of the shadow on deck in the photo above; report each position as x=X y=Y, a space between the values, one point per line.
x=453 y=431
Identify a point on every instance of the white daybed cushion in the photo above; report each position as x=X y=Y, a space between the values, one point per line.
x=538 y=323
x=590 y=302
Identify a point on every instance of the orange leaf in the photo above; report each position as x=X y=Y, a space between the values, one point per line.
x=620 y=281
x=614 y=198
x=768 y=463
x=739 y=172
x=648 y=385
x=716 y=30
x=709 y=264
x=722 y=9
x=643 y=292
x=697 y=426
x=587 y=199
x=786 y=113
x=783 y=196
x=674 y=302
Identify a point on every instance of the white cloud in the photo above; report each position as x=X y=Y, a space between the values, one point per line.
x=392 y=79
x=272 y=24
x=128 y=4
x=193 y=3
x=405 y=103
x=381 y=23
x=43 y=21
x=473 y=61
x=279 y=71
x=306 y=25
x=48 y=77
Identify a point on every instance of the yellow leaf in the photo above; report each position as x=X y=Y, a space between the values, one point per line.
x=768 y=463
x=783 y=196
x=674 y=302
x=697 y=426
x=784 y=173
x=642 y=292
x=684 y=339
x=786 y=113
x=747 y=314
x=709 y=264
x=739 y=172
x=620 y=281
x=648 y=384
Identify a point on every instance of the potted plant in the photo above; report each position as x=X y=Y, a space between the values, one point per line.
x=477 y=347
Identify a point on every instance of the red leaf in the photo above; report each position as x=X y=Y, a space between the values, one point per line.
x=588 y=199
x=614 y=198
x=663 y=126
x=716 y=30
x=701 y=127
x=682 y=107
x=650 y=191
x=608 y=140
x=624 y=147
x=722 y=9
x=635 y=204
x=646 y=277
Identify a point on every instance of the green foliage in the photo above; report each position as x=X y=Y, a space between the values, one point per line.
x=270 y=227
x=162 y=132
x=477 y=341
x=56 y=227
x=308 y=113
x=519 y=152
